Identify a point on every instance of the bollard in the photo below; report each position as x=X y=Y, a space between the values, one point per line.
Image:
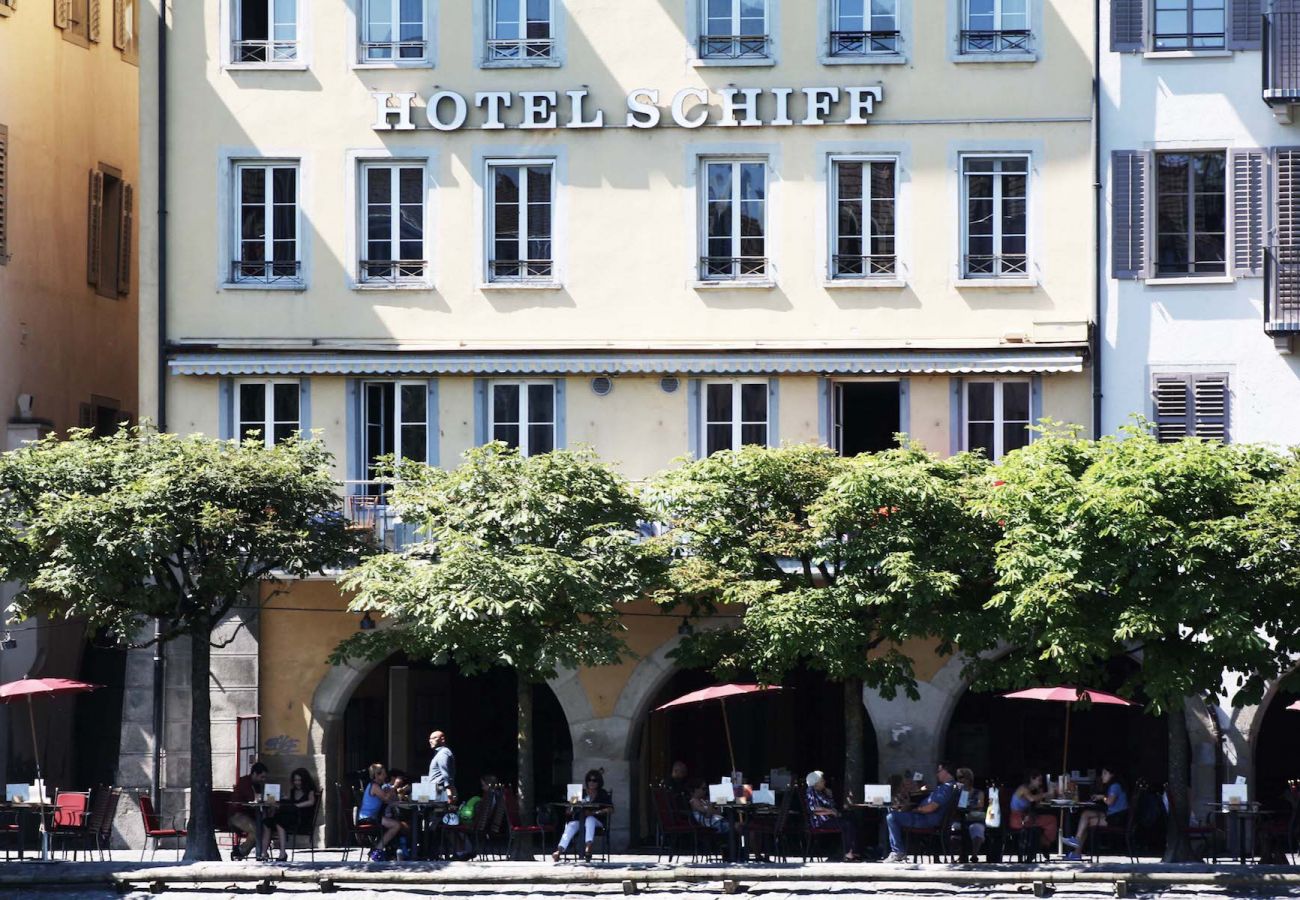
x=1121 y=888
x=731 y=886
x=327 y=886
x=157 y=887
x=1040 y=889
x=265 y=887
x=629 y=888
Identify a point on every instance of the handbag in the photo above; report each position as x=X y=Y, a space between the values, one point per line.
x=450 y=818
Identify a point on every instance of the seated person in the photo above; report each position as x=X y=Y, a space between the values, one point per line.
x=593 y=791
x=296 y=813
x=1030 y=793
x=705 y=813
x=902 y=790
x=973 y=813
x=1114 y=812
x=248 y=789
x=928 y=814
x=377 y=796
x=823 y=814
x=679 y=789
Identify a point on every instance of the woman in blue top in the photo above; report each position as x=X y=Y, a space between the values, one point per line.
x=1113 y=813
x=377 y=796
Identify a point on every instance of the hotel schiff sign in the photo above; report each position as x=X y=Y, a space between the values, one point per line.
x=645 y=108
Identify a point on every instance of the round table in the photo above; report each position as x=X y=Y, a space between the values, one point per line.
x=1242 y=813
x=44 y=814
x=259 y=807
x=581 y=809
x=733 y=812
x=419 y=810
x=1063 y=807
x=865 y=809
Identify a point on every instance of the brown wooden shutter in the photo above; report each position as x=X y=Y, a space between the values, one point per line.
x=1127 y=29
x=1285 y=287
x=1245 y=24
x=94 y=227
x=1248 y=213
x=1210 y=399
x=4 y=194
x=62 y=14
x=124 y=241
x=1128 y=187
x=1172 y=396
x=119 y=24
x=92 y=27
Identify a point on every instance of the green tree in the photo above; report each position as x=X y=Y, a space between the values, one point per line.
x=118 y=531
x=1128 y=545
x=833 y=563
x=523 y=564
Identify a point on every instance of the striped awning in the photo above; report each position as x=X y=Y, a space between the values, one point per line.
x=864 y=362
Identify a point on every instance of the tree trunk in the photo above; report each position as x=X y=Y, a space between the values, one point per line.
x=855 y=751
x=524 y=750
x=201 y=840
x=1177 y=847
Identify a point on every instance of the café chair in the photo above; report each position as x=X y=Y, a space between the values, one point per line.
x=672 y=826
x=305 y=823
x=934 y=840
x=363 y=836
x=154 y=830
x=516 y=830
x=577 y=846
x=1113 y=835
x=71 y=821
x=103 y=810
x=771 y=830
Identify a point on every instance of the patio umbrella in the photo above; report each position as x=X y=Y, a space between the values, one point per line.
x=1069 y=696
x=720 y=692
x=12 y=692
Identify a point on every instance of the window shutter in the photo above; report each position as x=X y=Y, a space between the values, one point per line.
x=1286 y=234
x=1248 y=213
x=92 y=27
x=1210 y=399
x=62 y=13
x=1245 y=24
x=1172 y=395
x=94 y=226
x=124 y=241
x=119 y=24
x=1126 y=26
x=1128 y=180
x=4 y=194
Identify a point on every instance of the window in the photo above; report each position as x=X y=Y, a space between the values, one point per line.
x=1191 y=406
x=266 y=238
x=995 y=26
x=1189 y=25
x=267 y=411
x=393 y=31
x=1191 y=214
x=521 y=207
x=126 y=29
x=735 y=216
x=6 y=7
x=735 y=415
x=995 y=217
x=862 y=220
x=78 y=19
x=523 y=416
x=108 y=233
x=520 y=30
x=734 y=29
x=397 y=422
x=996 y=416
x=102 y=415
x=393 y=218
x=4 y=194
x=266 y=31
x=864 y=27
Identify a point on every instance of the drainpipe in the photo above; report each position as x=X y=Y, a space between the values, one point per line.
x=161 y=423
x=1098 y=332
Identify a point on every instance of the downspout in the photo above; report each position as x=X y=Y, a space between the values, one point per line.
x=1098 y=336
x=161 y=412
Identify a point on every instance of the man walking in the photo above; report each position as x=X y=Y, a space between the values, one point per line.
x=442 y=768
x=927 y=815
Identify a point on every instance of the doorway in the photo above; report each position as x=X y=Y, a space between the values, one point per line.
x=868 y=415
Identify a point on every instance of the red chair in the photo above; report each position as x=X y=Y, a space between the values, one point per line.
x=672 y=826
x=516 y=828
x=361 y=835
x=71 y=820
x=154 y=831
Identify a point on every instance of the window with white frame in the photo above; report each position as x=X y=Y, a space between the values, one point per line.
x=995 y=216
x=392 y=205
x=266 y=31
x=1191 y=214
x=392 y=31
x=735 y=415
x=996 y=413
x=863 y=27
x=267 y=411
x=523 y=415
x=266 y=223
x=734 y=29
x=396 y=422
x=520 y=30
x=1189 y=25
x=520 y=211
x=863 y=218
x=995 y=26
x=735 y=220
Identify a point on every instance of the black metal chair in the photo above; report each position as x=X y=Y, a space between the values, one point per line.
x=934 y=840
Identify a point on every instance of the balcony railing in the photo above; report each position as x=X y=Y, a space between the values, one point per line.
x=521 y=270
x=876 y=266
x=734 y=46
x=392 y=271
x=1281 y=63
x=260 y=271
x=1015 y=41
x=264 y=51
x=992 y=266
x=392 y=51
x=733 y=268
x=863 y=43
x=1282 y=290
x=365 y=506
x=522 y=49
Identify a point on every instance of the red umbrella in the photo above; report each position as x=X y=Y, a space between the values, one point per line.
x=28 y=688
x=1295 y=706
x=721 y=692
x=1069 y=696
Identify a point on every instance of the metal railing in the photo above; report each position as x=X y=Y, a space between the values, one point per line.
x=392 y=271
x=264 y=51
x=994 y=266
x=1192 y=40
x=873 y=266
x=1016 y=41
x=733 y=268
x=521 y=269
x=265 y=271
x=863 y=43
x=523 y=48
x=1282 y=290
x=1281 y=57
x=392 y=51
x=365 y=507
x=734 y=46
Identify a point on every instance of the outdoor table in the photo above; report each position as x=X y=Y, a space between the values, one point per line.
x=1241 y=814
x=733 y=811
x=1062 y=807
x=582 y=808
x=260 y=807
x=27 y=810
x=863 y=810
x=419 y=810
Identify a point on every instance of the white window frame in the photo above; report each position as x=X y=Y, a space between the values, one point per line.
x=522 y=42
x=1152 y=213
x=964 y=272
x=489 y=219
x=740 y=54
x=406 y=275
x=361 y=33
x=999 y=421
x=1151 y=35
x=268 y=418
x=869 y=50
x=833 y=225
x=738 y=275
x=397 y=423
x=737 y=422
x=523 y=422
x=1024 y=50
x=231 y=55
x=271 y=282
